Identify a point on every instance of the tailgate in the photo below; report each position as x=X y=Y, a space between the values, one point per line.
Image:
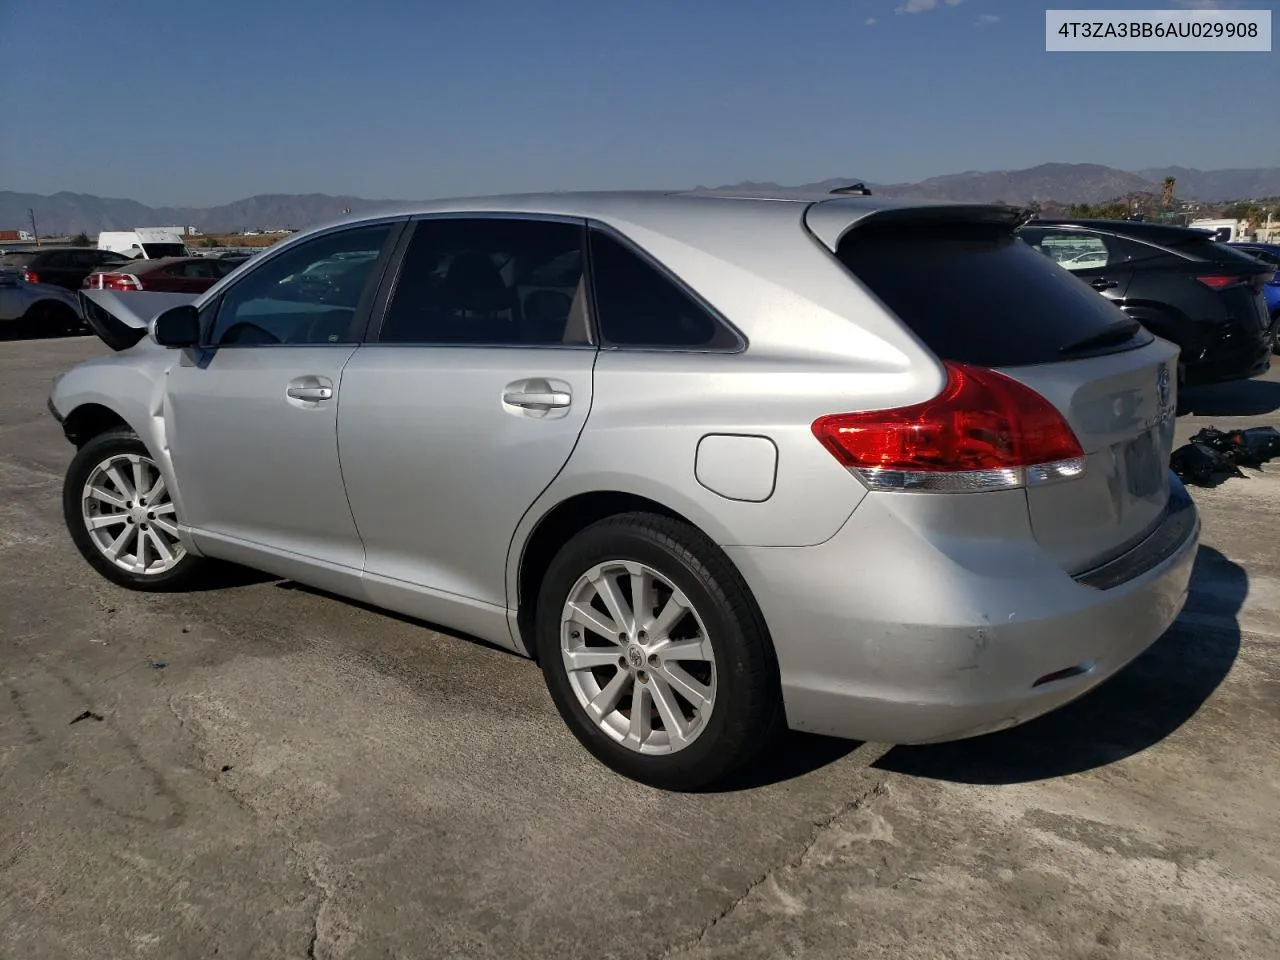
x=1121 y=407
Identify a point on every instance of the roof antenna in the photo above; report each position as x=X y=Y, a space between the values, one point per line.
x=858 y=189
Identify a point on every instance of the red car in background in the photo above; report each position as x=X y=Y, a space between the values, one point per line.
x=171 y=275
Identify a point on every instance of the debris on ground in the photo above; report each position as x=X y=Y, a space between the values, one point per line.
x=87 y=715
x=1213 y=453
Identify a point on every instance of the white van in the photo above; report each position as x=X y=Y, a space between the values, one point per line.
x=145 y=243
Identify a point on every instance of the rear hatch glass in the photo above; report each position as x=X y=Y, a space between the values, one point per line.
x=976 y=293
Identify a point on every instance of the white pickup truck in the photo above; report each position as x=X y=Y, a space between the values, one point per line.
x=147 y=243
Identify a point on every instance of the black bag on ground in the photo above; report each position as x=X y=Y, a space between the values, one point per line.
x=1197 y=463
x=1246 y=448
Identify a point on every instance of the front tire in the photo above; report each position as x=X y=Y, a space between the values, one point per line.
x=121 y=517
x=655 y=653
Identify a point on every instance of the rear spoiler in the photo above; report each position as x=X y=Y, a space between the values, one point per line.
x=830 y=220
x=121 y=319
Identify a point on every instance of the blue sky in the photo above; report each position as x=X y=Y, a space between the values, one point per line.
x=182 y=103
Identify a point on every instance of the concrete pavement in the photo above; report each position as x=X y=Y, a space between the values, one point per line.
x=278 y=773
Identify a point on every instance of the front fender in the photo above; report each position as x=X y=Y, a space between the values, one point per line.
x=132 y=387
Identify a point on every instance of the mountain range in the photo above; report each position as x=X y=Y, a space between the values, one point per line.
x=69 y=213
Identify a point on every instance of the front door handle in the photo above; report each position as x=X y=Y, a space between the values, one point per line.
x=1101 y=284
x=310 y=393
x=549 y=400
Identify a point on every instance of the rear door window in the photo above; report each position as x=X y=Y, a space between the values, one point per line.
x=640 y=305
x=490 y=281
x=975 y=293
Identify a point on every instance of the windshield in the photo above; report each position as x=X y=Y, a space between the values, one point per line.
x=157 y=251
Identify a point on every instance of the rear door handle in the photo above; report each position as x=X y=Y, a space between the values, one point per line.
x=310 y=393
x=1101 y=284
x=549 y=400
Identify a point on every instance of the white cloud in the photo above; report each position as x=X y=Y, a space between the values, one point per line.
x=986 y=18
x=872 y=21
x=923 y=6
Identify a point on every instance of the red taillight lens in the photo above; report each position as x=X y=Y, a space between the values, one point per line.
x=1221 y=283
x=30 y=276
x=985 y=431
x=119 y=281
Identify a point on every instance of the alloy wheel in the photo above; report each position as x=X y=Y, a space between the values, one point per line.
x=130 y=516
x=638 y=658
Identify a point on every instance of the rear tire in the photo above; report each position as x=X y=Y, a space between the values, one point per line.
x=121 y=518
x=49 y=319
x=677 y=691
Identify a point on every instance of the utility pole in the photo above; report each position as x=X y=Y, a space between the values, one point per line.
x=34 y=232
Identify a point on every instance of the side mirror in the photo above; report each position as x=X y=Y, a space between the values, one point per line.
x=177 y=327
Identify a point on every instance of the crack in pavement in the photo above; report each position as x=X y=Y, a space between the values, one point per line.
x=875 y=789
x=309 y=865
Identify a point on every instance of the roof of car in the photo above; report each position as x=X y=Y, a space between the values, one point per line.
x=648 y=207
x=676 y=214
x=1162 y=233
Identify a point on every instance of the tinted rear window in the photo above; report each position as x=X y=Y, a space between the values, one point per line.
x=975 y=293
x=18 y=259
x=1208 y=249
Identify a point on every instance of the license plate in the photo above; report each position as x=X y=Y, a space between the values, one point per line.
x=1144 y=473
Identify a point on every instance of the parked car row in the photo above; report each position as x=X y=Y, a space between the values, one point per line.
x=720 y=465
x=172 y=274
x=1179 y=283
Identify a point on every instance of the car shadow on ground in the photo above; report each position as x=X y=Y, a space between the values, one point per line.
x=1136 y=709
x=13 y=334
x=1238 y=398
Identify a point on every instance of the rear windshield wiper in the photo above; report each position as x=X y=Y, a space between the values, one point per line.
x=1106 y=337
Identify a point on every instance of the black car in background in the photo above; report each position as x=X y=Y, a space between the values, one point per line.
x=1178 y=283
x=62 y=266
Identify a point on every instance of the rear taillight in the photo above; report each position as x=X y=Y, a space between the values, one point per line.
x=118 y=281
x=30 y=276
x=1222 y=283
x=985 y=431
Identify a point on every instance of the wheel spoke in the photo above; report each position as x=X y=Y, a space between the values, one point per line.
x=157 y=488
x=142 y=548
x=162 y=548
x=139 y=476
x=696 y=648
x=639 y=728
x=670 y=615
x=104 y=520
x=588 y=657
x=589 y=618
x=642 y=598
x=120 y=482
x=166 y=527
x=697 y=693
x=607 y=699
x=119 y=543
x=103 y=495
x=607 y=587
x=672 y=719
x=164 y=509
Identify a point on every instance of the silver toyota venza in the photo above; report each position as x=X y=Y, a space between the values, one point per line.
x=721 y=465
